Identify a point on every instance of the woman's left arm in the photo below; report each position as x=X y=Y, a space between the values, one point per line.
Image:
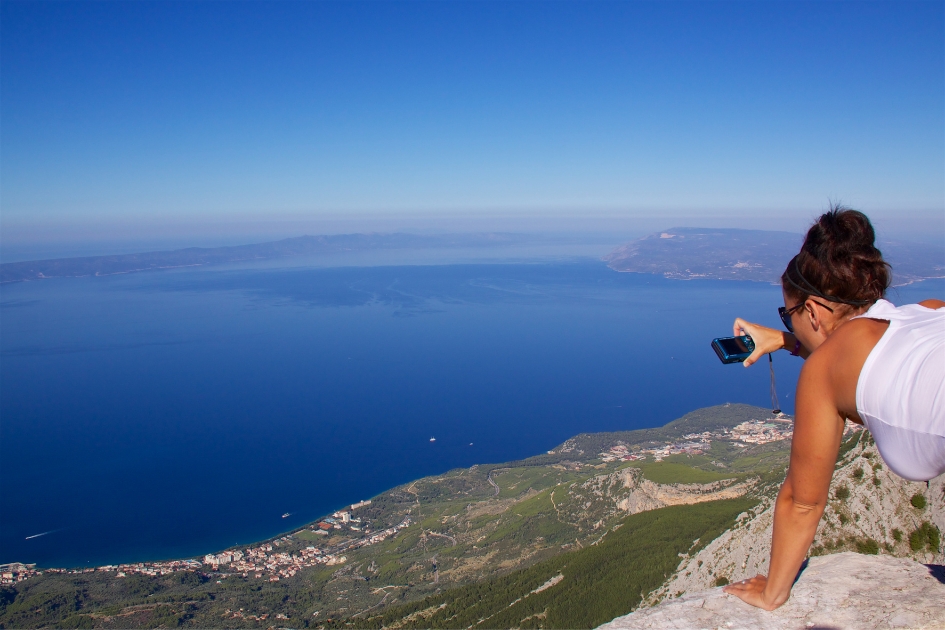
x=818 y=429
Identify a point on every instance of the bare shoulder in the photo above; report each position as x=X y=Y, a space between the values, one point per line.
x=855 y=337
x=933 y=304
x=837 y=363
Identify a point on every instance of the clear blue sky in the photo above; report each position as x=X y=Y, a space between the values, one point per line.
x=139 y=113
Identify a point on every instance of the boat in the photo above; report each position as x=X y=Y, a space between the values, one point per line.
x=433 y=439
x=286 y=515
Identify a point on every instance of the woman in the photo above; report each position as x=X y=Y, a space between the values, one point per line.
x=867 y=361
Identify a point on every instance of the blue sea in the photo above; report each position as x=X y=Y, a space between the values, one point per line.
x=174 y=413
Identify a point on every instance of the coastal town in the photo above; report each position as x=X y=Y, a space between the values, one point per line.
x=752 y=432
x=264 y=561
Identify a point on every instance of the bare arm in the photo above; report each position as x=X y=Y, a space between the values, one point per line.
x=818 y=429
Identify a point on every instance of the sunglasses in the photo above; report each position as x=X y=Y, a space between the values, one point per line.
x=786 y=313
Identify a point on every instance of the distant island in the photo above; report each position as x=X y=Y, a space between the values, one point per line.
x=206 y=256
x=678 y=253
x=758 y=255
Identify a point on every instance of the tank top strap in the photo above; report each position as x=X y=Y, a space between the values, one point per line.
x=881 y=309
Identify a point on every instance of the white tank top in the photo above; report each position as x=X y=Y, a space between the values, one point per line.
x=900 y=395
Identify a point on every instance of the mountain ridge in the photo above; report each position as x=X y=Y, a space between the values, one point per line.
x=308 y=245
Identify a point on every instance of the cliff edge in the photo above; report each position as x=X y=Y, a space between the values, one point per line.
x=844 y=590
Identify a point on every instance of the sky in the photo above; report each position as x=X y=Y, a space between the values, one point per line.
x=216 y=119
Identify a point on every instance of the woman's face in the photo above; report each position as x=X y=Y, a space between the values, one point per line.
x=810 y=326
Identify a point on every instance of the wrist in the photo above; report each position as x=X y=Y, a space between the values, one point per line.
x=791 y=343
x=772 y=601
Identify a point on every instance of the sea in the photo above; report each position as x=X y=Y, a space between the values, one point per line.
x=174 y=413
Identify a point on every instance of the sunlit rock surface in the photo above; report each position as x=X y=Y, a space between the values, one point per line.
x=845 y=590
x=876 y=506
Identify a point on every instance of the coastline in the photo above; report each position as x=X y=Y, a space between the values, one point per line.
x=670 y=441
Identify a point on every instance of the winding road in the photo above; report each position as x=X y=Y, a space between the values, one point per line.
x=493 y=484
x=451 y=539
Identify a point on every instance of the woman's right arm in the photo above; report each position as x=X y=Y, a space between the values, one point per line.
x=766 y=340
x=818 y=429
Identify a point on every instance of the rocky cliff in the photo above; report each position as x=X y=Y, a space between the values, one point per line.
x=871 y=510
x=647 y=495
x=845 y=590
x=894 y=524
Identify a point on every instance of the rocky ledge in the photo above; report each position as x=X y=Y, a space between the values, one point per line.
x=844 y=590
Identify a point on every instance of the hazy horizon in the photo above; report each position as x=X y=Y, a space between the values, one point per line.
x=156 y=125
x=123 y=237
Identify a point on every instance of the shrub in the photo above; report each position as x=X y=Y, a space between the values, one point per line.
x=867 y=546
x=842 y=493
x=927 y=536
x=897 y=534
x=844 y=519
x=721 y=580
x=858 y=474
x=877 y=466
x=876 y=481
x=918 y=501
x=77 y=621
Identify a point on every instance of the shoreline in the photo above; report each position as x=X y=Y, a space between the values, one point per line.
x=741 y=435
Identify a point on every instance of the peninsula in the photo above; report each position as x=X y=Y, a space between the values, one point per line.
x=686 y=253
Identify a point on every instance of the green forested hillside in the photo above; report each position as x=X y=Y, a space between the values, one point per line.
x=583 y=588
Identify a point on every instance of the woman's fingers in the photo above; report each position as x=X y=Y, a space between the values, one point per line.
x=766 y=339
x=754 y=356
x=755 y=583
x=750 y=591
x=742 y=327
x=739 y=327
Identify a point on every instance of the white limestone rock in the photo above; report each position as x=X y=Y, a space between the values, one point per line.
x=845 y=590
x=646 y=495
x=878 y=504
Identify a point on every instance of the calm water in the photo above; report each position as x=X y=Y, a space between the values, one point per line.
x=171 y=414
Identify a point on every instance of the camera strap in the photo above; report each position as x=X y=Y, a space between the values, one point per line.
x=775 y=407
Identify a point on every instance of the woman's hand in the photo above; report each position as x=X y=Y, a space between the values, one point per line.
x=766 y=339
x=752 y=591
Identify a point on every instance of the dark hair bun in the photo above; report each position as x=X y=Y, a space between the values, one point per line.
x=839 y=259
